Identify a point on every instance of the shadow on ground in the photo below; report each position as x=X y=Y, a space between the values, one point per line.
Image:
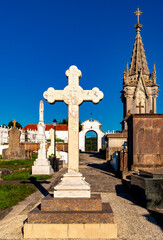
x=154 y=216
x=95 y=154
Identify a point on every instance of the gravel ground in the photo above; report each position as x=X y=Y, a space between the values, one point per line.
x=133 y=221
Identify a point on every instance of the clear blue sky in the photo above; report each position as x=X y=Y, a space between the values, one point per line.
x=40 y=40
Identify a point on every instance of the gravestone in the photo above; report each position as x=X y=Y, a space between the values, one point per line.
x=51 y=147
x=73 y=212
x=14 y=151
x=42 y=165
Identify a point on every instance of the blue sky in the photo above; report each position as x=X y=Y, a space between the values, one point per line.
x=40 y=40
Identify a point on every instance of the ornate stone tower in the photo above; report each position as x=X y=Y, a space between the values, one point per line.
x=139 y=86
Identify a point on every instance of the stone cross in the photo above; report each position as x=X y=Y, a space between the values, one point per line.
x=140 y=107
x=73 y=95
x=14 y=123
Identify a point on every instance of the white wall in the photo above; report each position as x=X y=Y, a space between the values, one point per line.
x=2 y=147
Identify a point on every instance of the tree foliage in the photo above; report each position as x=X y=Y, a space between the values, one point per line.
x=18 y=125
x=65 y=121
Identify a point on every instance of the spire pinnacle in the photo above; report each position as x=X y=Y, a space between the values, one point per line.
x=154 y=74
x=138 y=13
x=127 y=67
x=154 y=67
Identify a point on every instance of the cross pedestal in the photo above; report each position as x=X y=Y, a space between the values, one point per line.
x=73 y=184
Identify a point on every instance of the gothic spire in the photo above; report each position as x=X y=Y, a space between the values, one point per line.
x=138 y=60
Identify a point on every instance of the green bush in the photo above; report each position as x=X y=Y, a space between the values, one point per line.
x=59 y=140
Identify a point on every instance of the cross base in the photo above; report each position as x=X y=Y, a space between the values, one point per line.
x=72 y=185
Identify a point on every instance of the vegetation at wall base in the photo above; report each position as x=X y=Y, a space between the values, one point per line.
x=11 y=194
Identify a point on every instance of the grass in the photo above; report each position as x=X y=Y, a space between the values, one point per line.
x=25 y=175
x=10 y=194
x=25 y=166
x=16 y=164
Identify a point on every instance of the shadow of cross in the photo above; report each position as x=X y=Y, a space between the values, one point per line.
x=73 y=95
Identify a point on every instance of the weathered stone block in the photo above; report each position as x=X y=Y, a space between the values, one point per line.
x=72 y=204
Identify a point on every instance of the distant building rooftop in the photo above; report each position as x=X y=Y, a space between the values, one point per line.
x=59 y=127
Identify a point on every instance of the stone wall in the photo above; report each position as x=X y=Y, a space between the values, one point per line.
x=145 y=140
x=34 y=147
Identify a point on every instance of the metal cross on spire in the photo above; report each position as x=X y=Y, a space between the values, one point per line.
x=91 y=117
x=138 y=13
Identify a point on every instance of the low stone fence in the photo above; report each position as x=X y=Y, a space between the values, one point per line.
x=34 y=147
x=62 y=147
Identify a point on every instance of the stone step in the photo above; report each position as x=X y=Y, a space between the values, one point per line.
x=72 y=204
x=104 y=216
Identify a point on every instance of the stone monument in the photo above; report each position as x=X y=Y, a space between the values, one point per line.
x=73 y=212
x=14 y=151
x=42 y=165
x=51 y=147
x=41 y=125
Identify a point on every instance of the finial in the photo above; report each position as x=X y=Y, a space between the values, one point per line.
x=138 y=13
x=154 y=74
x=14 y=122
x=91 y=117
x=154 y=67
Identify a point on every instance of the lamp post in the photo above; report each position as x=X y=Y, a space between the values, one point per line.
x=54 y=124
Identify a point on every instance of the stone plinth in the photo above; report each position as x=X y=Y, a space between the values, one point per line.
x=71 y=204
x=71 y=218
x=72 y=185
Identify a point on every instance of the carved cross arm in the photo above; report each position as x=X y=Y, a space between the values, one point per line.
x=94 y=95
x=52 y=95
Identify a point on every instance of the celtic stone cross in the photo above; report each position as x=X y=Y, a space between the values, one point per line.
x=14 y=123
x=73 y=95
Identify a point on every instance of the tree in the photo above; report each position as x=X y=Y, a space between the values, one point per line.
x=18 y=125
x=65 y=121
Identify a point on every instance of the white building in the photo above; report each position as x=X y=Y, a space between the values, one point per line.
x=30 y=132
x=4 y=134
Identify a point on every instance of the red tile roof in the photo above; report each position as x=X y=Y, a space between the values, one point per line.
x=59 y=127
